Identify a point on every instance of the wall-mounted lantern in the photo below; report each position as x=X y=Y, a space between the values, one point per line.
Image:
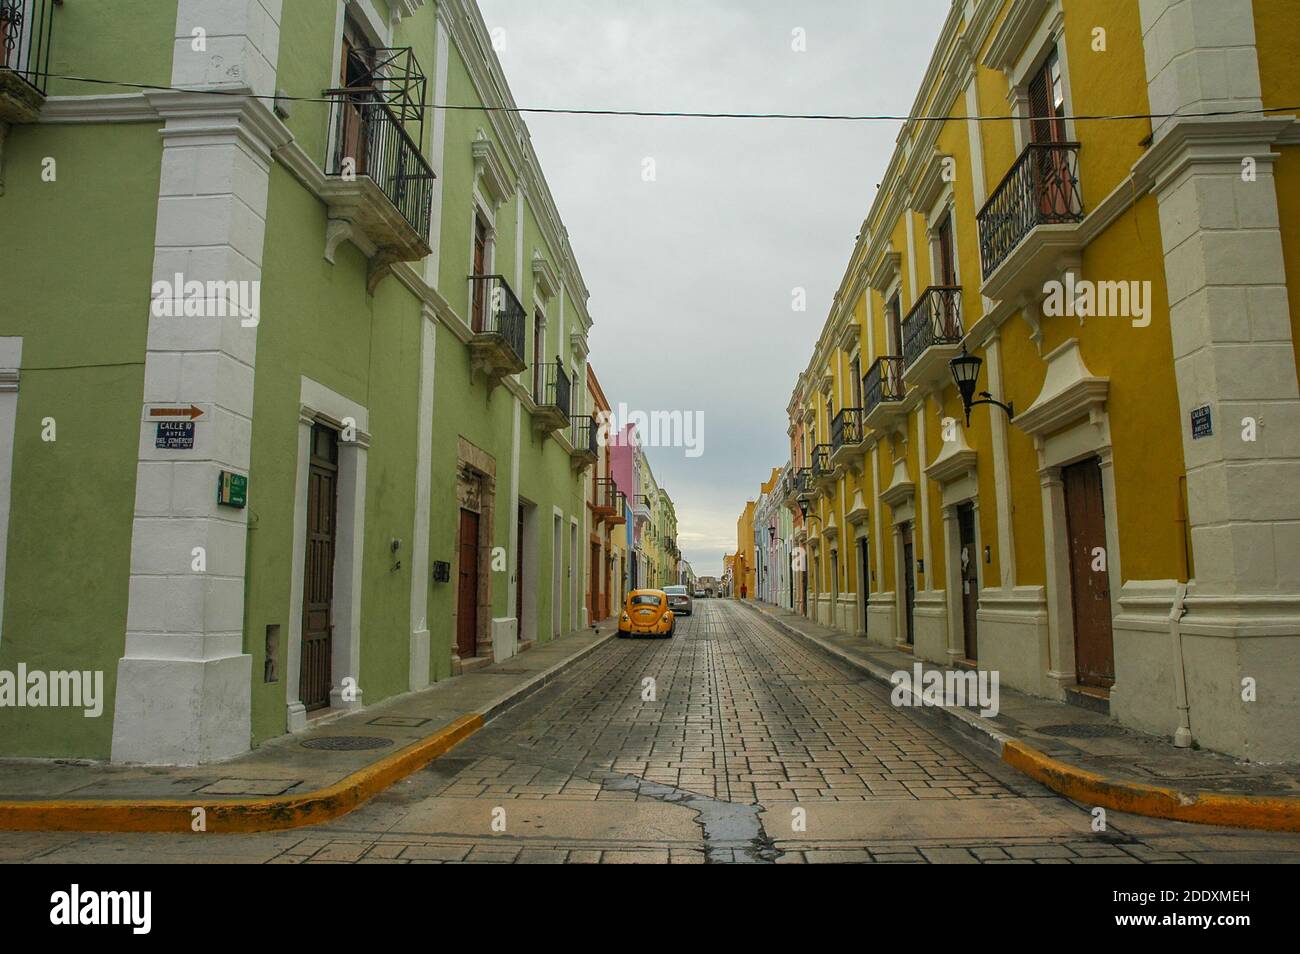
x=965 y=370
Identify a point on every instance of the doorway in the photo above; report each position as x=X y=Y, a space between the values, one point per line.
x=909 y=582
x=593 y=603
x=1085 y=520
x=864 y=562
x=969 y=562
x=467 y=587
x=316 y=676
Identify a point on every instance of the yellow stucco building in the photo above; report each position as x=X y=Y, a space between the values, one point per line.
x=1128 y=287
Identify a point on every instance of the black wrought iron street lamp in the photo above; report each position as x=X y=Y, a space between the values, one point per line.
x=965 y=370
x=803 y=508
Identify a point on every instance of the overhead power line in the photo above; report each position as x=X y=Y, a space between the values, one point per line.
x=697 y=114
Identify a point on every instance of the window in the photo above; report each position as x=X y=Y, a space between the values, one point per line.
x=1047 y=102
x=855 y=376
x=947 y=271
x=538 y=324
x=895 y=314
x=479 y=268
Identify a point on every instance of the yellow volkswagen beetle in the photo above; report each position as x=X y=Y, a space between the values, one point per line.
x=646 y=613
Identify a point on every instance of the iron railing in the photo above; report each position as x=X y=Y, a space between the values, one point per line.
x=494 y=310
x=583 y=434
x=552 y=386
x=370 y=140
x=821 y=461
x=935 y=319
x=607 y=497
x=26 y=29
x=846 y=428
x=1042 y=188
x=803 y=481
x=883 y=382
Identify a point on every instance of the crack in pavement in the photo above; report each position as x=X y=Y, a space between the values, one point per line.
x=733 y=833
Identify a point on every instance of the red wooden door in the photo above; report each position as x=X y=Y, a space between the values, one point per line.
x=355 y=72
x=595 y=606
x=480 y=266
x=467 y=592
x=315 y=677
x=969 y=558
x=1085 y=515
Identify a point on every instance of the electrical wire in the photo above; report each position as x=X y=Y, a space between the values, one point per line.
x=680 y=114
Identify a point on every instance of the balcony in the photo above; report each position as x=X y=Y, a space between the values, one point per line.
x=582 y=437
x=883 y=392
x=642 y=512
x=497 y=323
x=823 y=471
x=1030 y=219
x=847 y=435
x=378 y=181
x=609 y=504
x=803 y=485
x=932 y=333
x=551 y=394
x=26 y=28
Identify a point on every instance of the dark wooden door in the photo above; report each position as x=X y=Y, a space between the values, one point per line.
x=1085 y=517
x=315 y=677
x=896 y=325
x=596 y=607
x=519 y=570
x=970 y=588
x=864 y=559
x=467 y=592
x=355 y=73
x=480 y=266
x=909 y=582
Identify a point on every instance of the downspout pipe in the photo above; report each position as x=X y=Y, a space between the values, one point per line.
x=1183 y=734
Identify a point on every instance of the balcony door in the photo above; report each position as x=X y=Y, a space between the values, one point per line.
x=537 y=357
x=480 y=268
x=1053 y=177
x=909 y=583
x=895 y=326
x=356 y=72
x=318 y=580
x=467 y=587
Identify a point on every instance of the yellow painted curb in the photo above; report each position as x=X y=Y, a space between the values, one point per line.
x=237 y=815
x=1267 y=813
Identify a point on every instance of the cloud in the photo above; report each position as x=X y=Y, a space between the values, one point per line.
x=691 y=275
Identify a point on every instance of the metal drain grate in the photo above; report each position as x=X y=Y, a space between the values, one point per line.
x=347 y=743
x=1082 y=730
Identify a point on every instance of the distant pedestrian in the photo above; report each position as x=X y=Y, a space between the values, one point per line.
x=744 y=591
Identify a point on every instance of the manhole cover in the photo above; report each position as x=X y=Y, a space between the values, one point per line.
x=1083 y=730
x=347 y=743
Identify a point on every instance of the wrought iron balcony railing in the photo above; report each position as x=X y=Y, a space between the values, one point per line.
x=883 y=382
x=821 y=462
x=582 y=436
x=846 y=428
x=608 y=500
x=371 y=140
x=1042 y=188
x=26 y=30
x=934 y=320
x=496 y=312
x=552 y=387
x=803 y=482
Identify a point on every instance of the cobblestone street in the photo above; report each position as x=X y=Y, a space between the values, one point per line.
x=730 y=742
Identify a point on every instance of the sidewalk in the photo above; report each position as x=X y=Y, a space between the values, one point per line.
x=1084 y=755
x=294 y=780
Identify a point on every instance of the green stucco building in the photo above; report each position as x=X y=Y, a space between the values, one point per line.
x=293 y=432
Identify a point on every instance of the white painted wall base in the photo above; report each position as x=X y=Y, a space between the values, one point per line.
x=182 y=711
x=930 y=626
x=880 y=618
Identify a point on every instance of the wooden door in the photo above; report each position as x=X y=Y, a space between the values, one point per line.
x=519 y=570
x=969 y=562
x=467 y=589
x=315 y=676
x=896 y=329
x=1085 y=517
x=355 y=72
x=864 y=559
x=594 y=606
x=480 y=267
x=909 y=582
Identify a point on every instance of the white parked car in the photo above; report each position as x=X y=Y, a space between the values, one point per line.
x=679 y=600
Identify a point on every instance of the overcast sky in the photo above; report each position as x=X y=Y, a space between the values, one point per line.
x=692 y=275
